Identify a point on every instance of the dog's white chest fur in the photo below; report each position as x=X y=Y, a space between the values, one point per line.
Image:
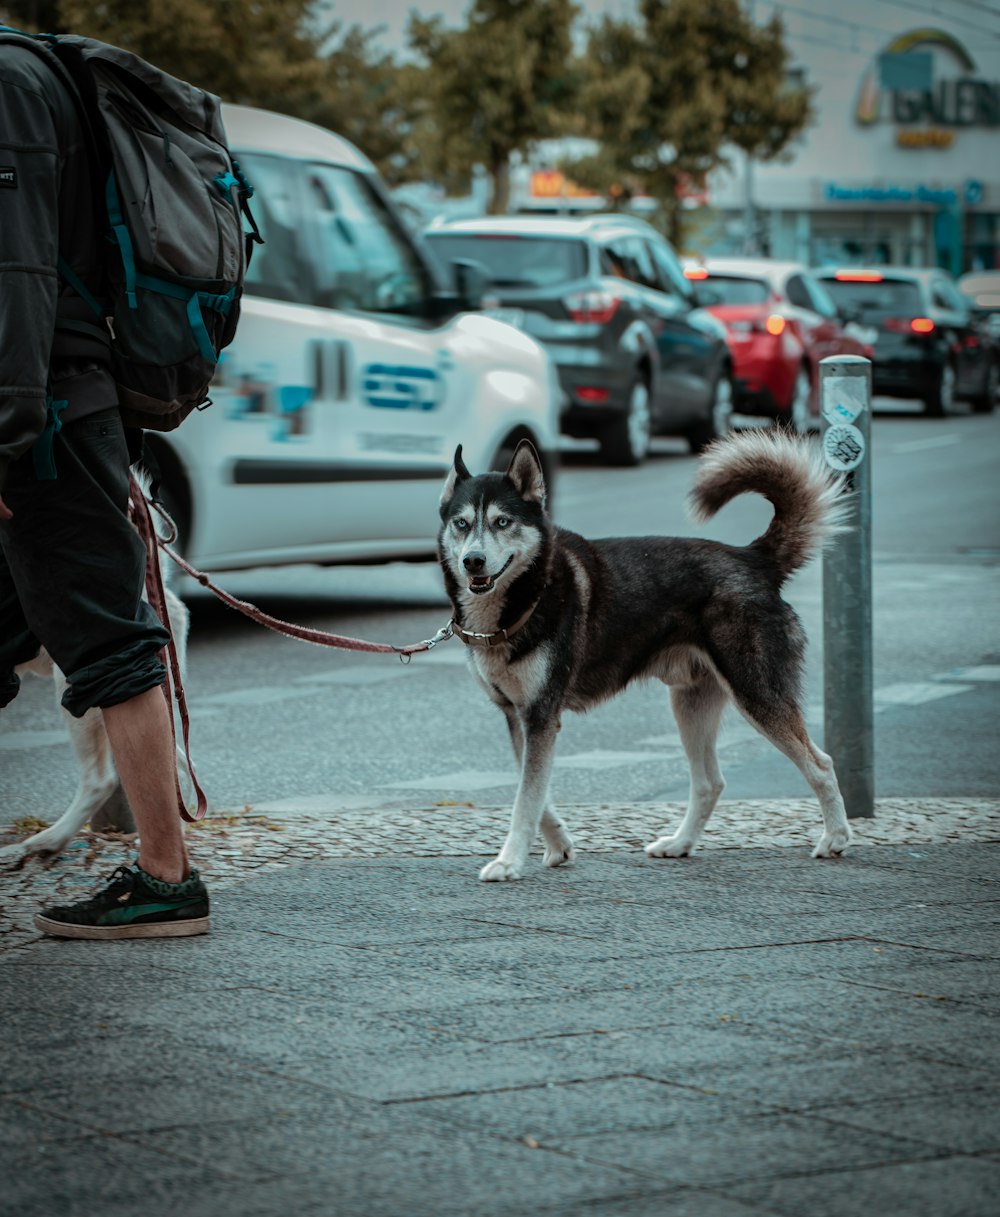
x=520 y=682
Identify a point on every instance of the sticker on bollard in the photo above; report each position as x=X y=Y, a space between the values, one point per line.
x=843 y=447
x=844 y=398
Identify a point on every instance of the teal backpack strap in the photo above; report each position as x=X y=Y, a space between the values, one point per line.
x=124 y=239
x=41 y=450
x=195 y=301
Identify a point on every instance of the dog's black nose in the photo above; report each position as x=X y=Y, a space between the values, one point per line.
x=474 y=563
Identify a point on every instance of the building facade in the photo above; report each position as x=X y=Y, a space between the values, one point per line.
x=903 y=163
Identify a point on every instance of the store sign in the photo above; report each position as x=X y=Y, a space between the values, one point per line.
x=934 y=196
x=927 y=108
x=552 y=184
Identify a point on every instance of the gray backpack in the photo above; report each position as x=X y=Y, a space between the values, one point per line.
x=175 y=201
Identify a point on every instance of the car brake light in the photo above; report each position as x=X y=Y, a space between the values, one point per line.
x=695 y=272
x=775 y=324
x=858 y=276
x=908 y=325
x=592 y=307
x=592 y=393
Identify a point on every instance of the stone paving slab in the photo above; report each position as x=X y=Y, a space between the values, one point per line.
x=746 y=1032
x=230 y=846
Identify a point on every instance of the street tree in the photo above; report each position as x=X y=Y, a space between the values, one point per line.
x=30 y=15
x=671 y=95
x=494 y=87
x=275 y=54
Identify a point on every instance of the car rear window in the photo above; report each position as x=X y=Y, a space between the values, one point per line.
x=877 y=297
x=723 y=289
x=516 y=261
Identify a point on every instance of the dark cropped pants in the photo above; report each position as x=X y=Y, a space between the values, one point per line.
x=72 y=571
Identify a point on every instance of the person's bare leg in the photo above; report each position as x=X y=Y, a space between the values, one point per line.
x=143 y=747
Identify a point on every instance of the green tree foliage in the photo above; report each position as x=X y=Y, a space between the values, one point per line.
x=269 y=53
x=669 y=95
x=31 y=15
x=494 y=87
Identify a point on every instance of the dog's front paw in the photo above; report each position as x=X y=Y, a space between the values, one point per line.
x=832 y=845
x=499 y=871
x=670 y=847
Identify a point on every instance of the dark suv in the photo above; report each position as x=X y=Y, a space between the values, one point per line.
x=926 y=342
x=607 y=297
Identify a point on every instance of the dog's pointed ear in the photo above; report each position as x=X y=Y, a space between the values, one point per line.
x=525 y=471
x=458 y=473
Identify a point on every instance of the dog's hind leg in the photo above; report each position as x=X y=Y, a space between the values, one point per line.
x=785 y=727
x=531 y=803
x=698 y=709
x=98 y=780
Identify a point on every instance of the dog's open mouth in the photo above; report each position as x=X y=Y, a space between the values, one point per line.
x=480 y=584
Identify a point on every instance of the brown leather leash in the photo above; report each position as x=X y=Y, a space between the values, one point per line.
x=303 y=633
x=173 y=686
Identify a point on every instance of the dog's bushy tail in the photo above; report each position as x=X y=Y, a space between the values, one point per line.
x=788 y=471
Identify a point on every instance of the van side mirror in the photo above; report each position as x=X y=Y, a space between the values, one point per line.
x=471 y=282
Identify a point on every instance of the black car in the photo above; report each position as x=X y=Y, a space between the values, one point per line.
x=926 y=342
x=982 y=289
x=607 y=297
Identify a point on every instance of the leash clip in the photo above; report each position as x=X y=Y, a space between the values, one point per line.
x=428 y=644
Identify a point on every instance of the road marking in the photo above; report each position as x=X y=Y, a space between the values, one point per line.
x=920 y=445
x=917 y=694
x=263 y=695
x=985 y=671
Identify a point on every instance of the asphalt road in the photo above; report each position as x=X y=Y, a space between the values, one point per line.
x=280 y=722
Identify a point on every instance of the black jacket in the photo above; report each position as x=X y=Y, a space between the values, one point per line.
x=47 y=208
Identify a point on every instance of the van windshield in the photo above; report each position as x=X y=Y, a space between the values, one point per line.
x=514 y=260
x=331 y=240
x=365 y=258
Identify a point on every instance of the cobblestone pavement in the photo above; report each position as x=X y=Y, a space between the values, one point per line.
x=230 y=847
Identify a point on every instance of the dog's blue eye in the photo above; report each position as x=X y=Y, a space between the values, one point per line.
x=461 y=525
x=502 y=521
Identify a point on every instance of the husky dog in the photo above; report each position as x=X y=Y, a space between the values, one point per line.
x=98 y=778
x=555 y=622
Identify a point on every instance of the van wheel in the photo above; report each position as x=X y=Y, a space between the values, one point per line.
x=625 y=442
x=720 y=418
x=941 y=399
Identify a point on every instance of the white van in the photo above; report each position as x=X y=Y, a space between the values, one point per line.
x=354 y=373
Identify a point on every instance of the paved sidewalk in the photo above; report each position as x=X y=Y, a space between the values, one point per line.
x=744 y=1032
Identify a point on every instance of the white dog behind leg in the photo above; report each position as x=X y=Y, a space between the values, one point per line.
x=98 y=778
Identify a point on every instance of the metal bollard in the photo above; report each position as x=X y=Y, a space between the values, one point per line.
x=848 y=709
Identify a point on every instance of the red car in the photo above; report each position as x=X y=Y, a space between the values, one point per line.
x=780 y=321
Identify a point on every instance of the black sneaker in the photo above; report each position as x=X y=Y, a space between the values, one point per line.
x=133 y=905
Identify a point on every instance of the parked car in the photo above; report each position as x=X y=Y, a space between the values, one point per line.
x=355 y=371
x=982 y=289
x=606 y=295
x=926 y=342
x=780 y=322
